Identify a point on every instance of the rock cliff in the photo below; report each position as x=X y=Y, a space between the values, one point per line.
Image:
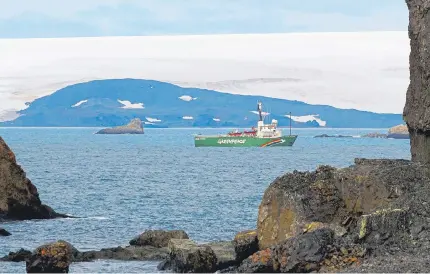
x=19 y=199
x=134 y=127
x=417 y=112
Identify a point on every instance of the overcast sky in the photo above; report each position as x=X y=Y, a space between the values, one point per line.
x=56 y=18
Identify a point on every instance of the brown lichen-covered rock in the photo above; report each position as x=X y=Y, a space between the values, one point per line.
x=186 y=256
x=19 y=199
x=338 y=198
x=158 y=238
x=245 y=244
x=417 y=112
x=51 y=258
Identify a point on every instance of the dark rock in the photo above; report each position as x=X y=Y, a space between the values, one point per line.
x=186 y=256
x=134 y=127
x=4 y=232
x=416 y=111
x=245 y=244
x=50 y=258
x=19 y=199
x=19 y=256
x=129 y=253
x=158 y=238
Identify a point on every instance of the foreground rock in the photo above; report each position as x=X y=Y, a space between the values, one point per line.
x=398 y=132
x=134 y=127
x=158 y=238
x=417 y=112
x=51 y=258
x=19 y=199
x=4 y=232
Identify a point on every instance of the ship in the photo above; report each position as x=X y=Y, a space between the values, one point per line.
x=264 y=135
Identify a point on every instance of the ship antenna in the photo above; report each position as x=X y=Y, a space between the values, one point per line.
x=259 y=110
x=290 y=122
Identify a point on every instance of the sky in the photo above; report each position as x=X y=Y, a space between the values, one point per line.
x=82 y=18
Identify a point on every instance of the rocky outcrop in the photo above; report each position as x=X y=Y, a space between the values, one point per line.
x=417 y=112
x=398 y=132
x=134 y=127
x=158 y=238
x=19 y=199
x=51 y=258
x=4 y=232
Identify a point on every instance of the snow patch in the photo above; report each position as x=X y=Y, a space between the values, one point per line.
x=187 y=98
x=79 y=103
x=308 y=118
x=152 y=120
x=129 y=105
x=216 y=119
x=188 y=117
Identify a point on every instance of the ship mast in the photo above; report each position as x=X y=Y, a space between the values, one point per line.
x=259 y=111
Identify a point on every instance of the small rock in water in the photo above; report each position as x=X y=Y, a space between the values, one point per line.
x=134 y=127
x=4 y=232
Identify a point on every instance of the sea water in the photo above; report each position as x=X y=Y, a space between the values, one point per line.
x=124 y=184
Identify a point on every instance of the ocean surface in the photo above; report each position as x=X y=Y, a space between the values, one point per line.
x=124 y=184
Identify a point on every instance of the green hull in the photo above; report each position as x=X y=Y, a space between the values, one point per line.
x=229 y=141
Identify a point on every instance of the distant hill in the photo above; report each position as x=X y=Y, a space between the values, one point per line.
x=115 y=102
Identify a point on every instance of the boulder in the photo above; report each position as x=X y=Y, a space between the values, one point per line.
x=416 y=111
x=19 y=199
x=4 y=232
x=225 y=254
x=373 y=199
x=134 y=127
x=158 y=238
x=398 y=132
x=51 y=258
x=245 y=244
x=186 y=256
